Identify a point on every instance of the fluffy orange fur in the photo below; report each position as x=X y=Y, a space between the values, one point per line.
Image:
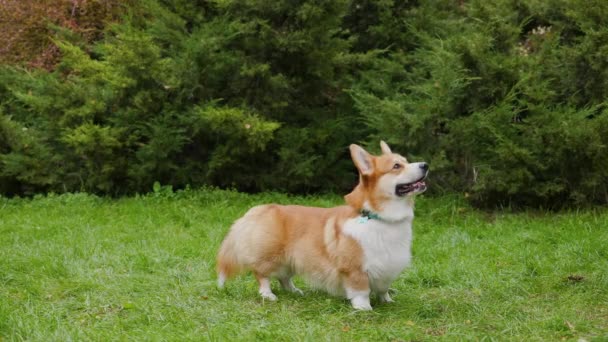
x=294 y=239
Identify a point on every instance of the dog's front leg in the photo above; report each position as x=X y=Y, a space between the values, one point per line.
x=356 y=285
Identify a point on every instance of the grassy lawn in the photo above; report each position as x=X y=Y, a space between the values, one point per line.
x=79 y=267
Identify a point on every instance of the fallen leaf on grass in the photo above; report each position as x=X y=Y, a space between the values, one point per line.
x=435 y=331
x=570 y=326
x=576 y=278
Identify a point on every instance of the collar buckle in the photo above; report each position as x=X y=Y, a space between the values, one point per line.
x=367 y=215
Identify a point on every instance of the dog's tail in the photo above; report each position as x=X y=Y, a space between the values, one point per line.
x=227 y=266
x=229 y=258
x=244 y=245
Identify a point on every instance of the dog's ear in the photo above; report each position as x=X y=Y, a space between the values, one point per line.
x=363 y=160
x=385 y=148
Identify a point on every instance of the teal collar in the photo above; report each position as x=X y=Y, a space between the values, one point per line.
x=367 y=215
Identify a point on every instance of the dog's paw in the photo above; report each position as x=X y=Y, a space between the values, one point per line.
x=288 y=285
x=360 y=303
x=362 y=307
x=386 y=298
x=269 y=296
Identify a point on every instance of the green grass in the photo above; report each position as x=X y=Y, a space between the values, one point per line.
x=79 y=267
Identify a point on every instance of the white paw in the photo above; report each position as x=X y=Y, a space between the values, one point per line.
x=298 y=291
x=360 y=303
x=269 y=296
x=362 y=307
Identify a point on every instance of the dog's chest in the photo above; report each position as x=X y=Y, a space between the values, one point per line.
x=386 y=247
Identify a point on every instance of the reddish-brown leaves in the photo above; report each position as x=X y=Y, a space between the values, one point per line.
x=25 y=27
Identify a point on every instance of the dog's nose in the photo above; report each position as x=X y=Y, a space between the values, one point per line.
x=424 y=166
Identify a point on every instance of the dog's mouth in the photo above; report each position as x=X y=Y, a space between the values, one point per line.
x=406 y=188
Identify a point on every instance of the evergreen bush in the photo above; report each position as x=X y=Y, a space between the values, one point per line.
x=505 y=100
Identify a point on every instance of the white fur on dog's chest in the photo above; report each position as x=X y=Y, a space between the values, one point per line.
x=386 y=248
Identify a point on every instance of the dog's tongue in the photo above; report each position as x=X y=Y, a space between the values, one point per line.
x=404 y=189
x=418 y=185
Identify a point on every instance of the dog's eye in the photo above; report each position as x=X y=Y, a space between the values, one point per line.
x=397 y=166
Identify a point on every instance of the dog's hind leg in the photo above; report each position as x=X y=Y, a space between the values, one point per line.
x=265 y=289
x=288 y=285
x=385 y=297
x=284 y=275
x=221 y=279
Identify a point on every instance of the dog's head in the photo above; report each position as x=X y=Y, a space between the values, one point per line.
x=388 y=177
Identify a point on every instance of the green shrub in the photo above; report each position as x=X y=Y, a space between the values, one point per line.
x=505 y=99
x=247 y=94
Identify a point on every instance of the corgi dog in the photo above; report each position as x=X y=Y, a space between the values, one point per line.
x=351 y=250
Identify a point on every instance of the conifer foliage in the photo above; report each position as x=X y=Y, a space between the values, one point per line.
x=506 y=100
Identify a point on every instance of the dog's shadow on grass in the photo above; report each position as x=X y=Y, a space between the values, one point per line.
x=243 y=291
